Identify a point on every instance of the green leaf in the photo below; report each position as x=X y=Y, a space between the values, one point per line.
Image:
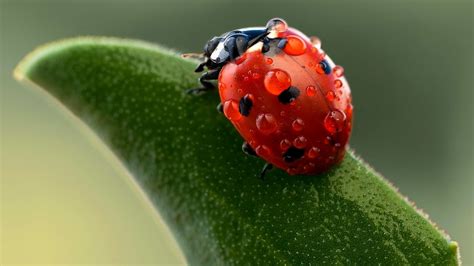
x=187 y=158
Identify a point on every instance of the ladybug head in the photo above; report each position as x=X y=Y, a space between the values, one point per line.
x=232 y=44
x=211 y=45
x=224 y=48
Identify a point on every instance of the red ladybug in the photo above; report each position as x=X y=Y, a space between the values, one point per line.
x=283 y=94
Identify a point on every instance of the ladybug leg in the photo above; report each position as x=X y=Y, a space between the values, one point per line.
x=247 y=149
x=205 y=81
x=274 y=42
x=265 y=169
x=200 y=67
x=220 y=108
x=266 y=45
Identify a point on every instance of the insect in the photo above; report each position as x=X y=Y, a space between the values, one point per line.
x=283 y=94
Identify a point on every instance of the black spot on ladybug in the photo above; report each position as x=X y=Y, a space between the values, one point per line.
x=245 y=105
x=281 y=44
x=289 y=95
x=293 y=154
x=325 y=67
x=247 y=149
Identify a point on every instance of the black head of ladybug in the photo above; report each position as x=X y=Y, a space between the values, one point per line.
x=224 y=48
x=221 y=49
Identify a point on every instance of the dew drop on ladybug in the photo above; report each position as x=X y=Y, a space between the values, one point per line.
x=276 y=27
x=266 y=123
x=285 y=144
x=338 y=71
x=297 y=124
x=295 y=45
x=310 y=90
x=300 y=142
x=262 y=151
x=330 y=96
x=313 y=152
x=231 y=110
x=276 y=81
x=334 y=121
x=284 y=96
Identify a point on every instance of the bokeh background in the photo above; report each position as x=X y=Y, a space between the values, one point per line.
x=66 y=199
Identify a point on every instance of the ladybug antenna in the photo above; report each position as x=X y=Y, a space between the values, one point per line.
x=193 y=55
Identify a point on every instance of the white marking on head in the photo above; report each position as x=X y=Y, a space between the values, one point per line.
x=219 y=53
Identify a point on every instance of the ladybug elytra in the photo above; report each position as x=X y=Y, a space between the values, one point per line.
x=283 y=94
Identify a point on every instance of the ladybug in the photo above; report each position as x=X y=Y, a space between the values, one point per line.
x=283 y=94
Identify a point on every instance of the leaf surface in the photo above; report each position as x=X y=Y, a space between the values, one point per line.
x=188 y=160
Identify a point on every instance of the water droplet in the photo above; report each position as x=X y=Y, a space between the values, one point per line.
x=330 y=95
x=294 y=45
x=297 y=124
x=315 y=41
x=246 y=78
x=291 y=171
x=338 y=71
x=338 y=83
x=269 y=61
x=222 y=86
x=249 y=96
x=334 y=121
x=348 y=110
x=256 y=75
x=321 y=53
x=277 y=25
x=308 y=167
x=231 y=110
x=262 y=151
x=266 y=123
x=276 y=81
x=328 y=140
x=285 y=144
x=310 y=91
x=313 y=152
x=300 y=142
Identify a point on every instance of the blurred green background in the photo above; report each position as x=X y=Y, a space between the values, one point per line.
x=66 y=199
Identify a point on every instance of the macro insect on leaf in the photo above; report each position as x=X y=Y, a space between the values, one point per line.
x=283 y=94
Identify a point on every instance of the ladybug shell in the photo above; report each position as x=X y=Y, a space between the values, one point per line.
x=291 y=104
